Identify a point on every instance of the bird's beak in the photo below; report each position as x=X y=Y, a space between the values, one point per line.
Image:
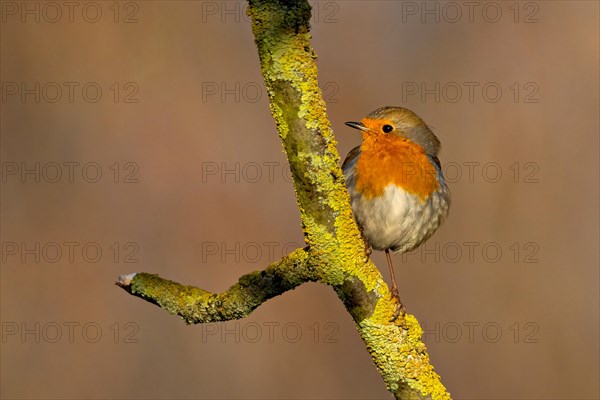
x=357 y=125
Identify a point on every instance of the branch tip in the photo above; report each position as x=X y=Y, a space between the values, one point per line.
x=125 y=280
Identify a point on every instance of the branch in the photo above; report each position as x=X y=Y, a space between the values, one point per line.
x=336 y=253
x=196 y=305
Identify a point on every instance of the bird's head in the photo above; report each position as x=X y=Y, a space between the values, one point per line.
x=398 y=123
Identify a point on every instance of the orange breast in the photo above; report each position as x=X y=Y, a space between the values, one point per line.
x=390 y=159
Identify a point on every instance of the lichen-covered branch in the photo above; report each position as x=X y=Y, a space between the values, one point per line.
x=196 y=305
x=281 y=31
x=335 y=254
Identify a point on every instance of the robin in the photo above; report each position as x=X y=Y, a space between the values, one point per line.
x=397 y=190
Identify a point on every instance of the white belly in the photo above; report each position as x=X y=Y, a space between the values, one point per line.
x=399 y=220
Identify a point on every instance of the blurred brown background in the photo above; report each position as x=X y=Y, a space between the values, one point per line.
x=136 y=136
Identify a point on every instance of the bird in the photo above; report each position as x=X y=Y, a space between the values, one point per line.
x=398 y=193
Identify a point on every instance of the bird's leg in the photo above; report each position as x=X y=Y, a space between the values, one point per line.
x=395 y=295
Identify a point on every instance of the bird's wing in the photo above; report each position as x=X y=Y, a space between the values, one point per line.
x=436 y=161
x=351 y=156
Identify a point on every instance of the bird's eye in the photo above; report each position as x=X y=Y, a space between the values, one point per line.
x=387 y=128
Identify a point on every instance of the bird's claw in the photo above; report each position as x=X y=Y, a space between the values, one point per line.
x=400 y=310
x=368 y=249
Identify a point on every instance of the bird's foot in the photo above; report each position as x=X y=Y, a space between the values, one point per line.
x=400 y=310
x=368 y=249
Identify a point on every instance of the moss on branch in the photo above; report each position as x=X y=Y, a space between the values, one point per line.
x=195 y=305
